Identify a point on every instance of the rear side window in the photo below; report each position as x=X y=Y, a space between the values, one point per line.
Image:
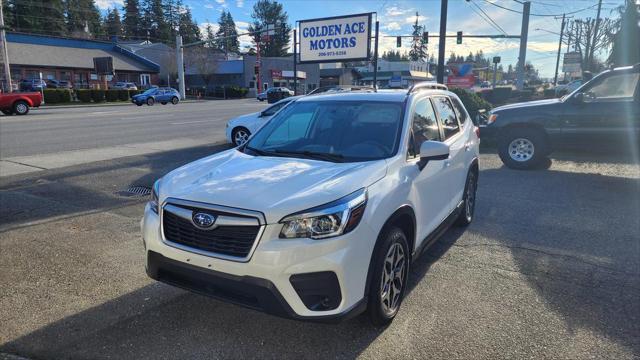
x=447 y=116
x=424 y=126
x=460 y=110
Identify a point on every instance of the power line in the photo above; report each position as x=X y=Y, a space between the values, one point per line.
x=520 y=12
x=495 y=25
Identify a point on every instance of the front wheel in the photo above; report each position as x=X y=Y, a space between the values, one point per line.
x=21 y=108
x=240 y=136
x=175 y=100
x=468 y=200
x=389 y=280
x=150 y=101
x=522 y=148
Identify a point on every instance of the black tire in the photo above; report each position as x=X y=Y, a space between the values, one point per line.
x=20 y=108
x=175 y=100
x=7 y=112
x=468 y=200
x=150 y=101
x=379 y=314
x=523 y=148
x=238 y=130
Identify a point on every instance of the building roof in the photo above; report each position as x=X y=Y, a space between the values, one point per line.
x=45 y=51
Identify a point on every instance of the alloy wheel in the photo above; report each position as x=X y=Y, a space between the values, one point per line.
x=393 y=274
x=240 y=137
x=521 y=150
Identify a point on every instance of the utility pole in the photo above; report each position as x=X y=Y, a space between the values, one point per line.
x=5 y=52
x=180 y=62
x=524 y=32
x=295 y=63
x=555 y=78
x=375 y=58
x=595 y=35
x=442 y=40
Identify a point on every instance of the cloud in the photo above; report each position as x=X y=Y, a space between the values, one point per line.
x=412 y=19
x=395 y=11
x=239 y=3
x=209 y=6
x=221 y=2
x=392 y=26
x=108 y=4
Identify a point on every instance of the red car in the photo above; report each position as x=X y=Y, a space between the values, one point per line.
x=19 y=103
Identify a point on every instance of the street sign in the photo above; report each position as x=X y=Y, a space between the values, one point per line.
x=572 y=62
x=496 y=59
x=276 y=74
x=334 y=39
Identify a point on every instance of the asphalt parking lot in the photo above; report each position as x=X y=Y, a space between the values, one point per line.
x=550 y=268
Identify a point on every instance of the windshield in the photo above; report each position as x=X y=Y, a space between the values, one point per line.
x=150 y=91
x=343 y=131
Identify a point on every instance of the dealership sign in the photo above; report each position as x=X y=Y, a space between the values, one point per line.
x=342 y=38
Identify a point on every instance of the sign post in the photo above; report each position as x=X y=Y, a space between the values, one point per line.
x=295 y=62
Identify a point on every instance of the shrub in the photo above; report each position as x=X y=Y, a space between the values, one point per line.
x=471 y=101
x=97 y=95
x=549 y=93
x=84 y=95
x=123 y=95
x=64 y=95
x=500 y=95
x=51 y=96
x=112 y=95
x=133 y=92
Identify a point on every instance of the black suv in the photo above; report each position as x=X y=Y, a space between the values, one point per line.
x=605 y=110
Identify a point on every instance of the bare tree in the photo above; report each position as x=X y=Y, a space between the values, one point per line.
x=584 y=38
x=205 y=61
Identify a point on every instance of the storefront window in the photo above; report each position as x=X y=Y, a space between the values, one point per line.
x=65 y=75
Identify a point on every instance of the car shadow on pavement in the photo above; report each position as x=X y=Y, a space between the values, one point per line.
x=582 y=260
x=79 y=190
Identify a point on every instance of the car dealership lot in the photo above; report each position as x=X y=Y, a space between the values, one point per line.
x=549 y=268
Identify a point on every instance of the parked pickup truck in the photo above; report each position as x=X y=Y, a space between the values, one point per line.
x=19 y=103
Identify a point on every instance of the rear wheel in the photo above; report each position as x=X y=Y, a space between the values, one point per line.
x=240 y=136
x=522 y=148
x=175 y=100
x=469 y=200
x=21 y=108
x=389 y=280
x=150 y=101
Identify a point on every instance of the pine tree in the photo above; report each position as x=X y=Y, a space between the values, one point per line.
x=172 y=11
x=112 y=23
x=625 y=49
x=132 y=19
x=270 y=12
x=37 y=16
x=210 y=36
x=227 y=29
x=83 y=15
x=187 y=27
x=418 y=44
x=155 y=22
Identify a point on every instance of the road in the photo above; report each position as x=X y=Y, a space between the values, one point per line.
x=51 y=130
x=550 y=268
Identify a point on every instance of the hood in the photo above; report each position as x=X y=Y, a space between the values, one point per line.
x=546 y=102
x=275 y=186
x=250 y=116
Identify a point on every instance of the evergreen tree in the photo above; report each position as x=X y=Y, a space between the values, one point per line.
x=187 y=27
x=227 y=27
x=270 y=12
x=625 y=49
x=172 y=11
x=83 y=15
x=155 y=22
x=112 y=23
x=209 y=35
x=132 y=19
x=418 y=44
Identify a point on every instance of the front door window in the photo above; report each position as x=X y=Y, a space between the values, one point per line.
x=145 y=79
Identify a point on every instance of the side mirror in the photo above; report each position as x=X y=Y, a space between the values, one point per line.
x=432 y=150
x=578 y=98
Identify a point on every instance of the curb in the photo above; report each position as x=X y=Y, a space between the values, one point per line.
x=123 y=103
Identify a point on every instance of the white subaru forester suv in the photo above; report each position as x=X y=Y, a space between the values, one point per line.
x=319 y=215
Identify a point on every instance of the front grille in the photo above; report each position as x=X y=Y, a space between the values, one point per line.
x=235 y=241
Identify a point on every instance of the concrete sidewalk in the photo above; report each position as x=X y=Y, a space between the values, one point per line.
x=92 y=105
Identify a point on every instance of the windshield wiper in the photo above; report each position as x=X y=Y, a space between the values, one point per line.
x=313 y=155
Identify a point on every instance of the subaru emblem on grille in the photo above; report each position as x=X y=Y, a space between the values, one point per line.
x=203 y=220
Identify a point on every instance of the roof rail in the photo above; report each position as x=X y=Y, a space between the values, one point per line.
x=427 y=85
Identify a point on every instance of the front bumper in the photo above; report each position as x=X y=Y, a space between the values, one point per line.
x=269 y=280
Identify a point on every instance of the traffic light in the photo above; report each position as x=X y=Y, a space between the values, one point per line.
x=398 y=41
x=425 y=37
x=459 y=37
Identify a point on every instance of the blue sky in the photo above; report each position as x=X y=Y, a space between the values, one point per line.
x=397 y=17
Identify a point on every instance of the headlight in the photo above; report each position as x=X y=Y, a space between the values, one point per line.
x=335 y=218
x=492 y=118
x=155 y=204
